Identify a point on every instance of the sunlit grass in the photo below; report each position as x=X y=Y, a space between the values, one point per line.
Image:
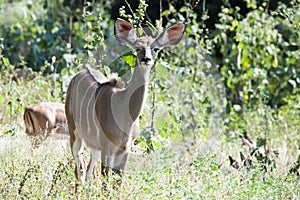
x=177 y=172
x=180 y=170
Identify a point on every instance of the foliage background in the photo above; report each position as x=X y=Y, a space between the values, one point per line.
x=253 y=85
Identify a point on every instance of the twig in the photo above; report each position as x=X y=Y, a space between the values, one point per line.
x=153 y=97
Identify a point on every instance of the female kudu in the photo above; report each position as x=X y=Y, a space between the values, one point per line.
x=103 y=116
x=44 y=119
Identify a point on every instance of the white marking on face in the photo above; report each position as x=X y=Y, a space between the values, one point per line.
x=148 y=54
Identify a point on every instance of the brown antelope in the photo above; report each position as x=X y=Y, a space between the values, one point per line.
x=105 y=117
x=25 y=74
x=44 y=119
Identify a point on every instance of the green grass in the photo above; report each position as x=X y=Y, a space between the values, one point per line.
x=179 y=171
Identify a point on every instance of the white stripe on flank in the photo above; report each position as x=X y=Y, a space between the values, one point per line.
x=81 y=103
x=88 y=109
x=98 y=130
x=78 y=83
x=76 y=99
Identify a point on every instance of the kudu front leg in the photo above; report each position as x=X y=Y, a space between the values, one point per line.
x=115 y=165
x=119 y=166
x=106 y=162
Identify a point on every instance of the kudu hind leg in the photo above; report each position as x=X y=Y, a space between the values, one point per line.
x=106 y=163
x=95 y=154
x=77 y=151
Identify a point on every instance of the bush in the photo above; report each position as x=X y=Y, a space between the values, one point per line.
x=258 y=55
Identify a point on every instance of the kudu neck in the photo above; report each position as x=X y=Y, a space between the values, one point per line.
x=140 y=77
x=137 y=90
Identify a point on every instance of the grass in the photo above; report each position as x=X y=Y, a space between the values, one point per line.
x=180 y=170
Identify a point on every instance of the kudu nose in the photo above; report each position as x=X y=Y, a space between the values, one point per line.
x=146 y=60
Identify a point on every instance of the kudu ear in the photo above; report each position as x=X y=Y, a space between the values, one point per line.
x=124 y=32
x=170 y=36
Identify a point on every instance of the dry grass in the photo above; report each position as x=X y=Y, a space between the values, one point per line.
x=180 y=171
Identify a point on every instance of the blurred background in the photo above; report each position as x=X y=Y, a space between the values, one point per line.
x=253 y=45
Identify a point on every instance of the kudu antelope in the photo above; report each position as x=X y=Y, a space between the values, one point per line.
x=44 y=119
x=105 y=117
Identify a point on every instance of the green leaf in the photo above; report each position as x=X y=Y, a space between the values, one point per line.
x=1 y=99
x=106 y=70
x=260 y=142
x=184 y=9
x=130 y=59
x=140 y=31
x=5 y=61
x=10 y=110
x=11 y=132
x=160 y=122
x=64 y=71
x=161 y=71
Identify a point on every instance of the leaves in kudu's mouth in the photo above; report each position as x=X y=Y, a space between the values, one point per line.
x=130 y=59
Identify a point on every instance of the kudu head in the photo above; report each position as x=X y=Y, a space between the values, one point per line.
x=147 y=46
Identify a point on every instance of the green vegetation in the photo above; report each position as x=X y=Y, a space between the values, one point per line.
x=179 y=172
x=237 y=73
